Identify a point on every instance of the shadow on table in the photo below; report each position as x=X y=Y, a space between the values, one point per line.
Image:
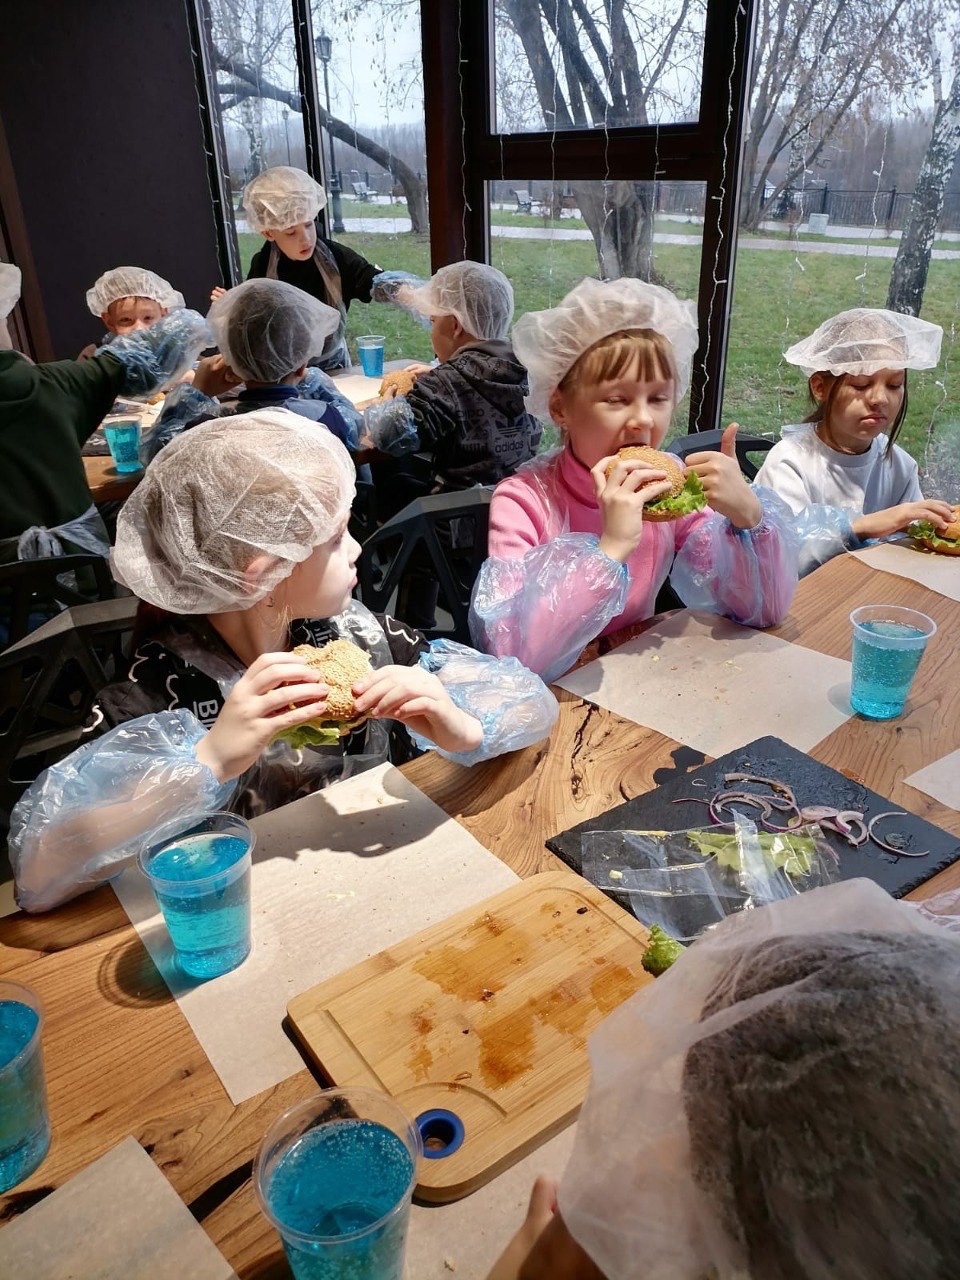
x=128 y=977
x=275 y=1267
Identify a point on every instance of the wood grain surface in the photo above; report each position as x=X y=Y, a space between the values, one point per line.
x=105 y=482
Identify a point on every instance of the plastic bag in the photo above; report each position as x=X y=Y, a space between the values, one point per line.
x=391 y=427
x=397 y=287
x=823 y=532
x=158 y=357
x=688 y=881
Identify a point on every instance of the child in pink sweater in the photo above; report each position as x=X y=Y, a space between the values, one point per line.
x=571 y=556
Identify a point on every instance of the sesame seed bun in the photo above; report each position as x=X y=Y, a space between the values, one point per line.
x=340 y=665
x=402 y=379
x=667 y=462
x=945 y=542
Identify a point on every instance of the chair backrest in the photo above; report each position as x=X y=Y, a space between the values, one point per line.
x=747 y=445
x=48 y=684
x=36 y=587
x=442 y=536
x=524 y=201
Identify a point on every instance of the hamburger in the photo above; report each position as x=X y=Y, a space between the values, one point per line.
x=402 y=379
x=686 y=492
x=946 y=542
x=340 y=664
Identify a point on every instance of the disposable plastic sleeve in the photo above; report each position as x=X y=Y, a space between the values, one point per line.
x=823 y=532
x=544 y=606
x=159 y=356
x=513 y=705
x=749 y=575
x=391 y=427
x=183 y=405
x=317 y=385
x=392 y=286
x=88 y=817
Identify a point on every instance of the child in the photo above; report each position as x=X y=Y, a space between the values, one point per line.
x=267 y=331
x=282 y=205
x=840 y=470
x=781 y=1104
x=236 y=544
x=129 y=298
x=571 y=556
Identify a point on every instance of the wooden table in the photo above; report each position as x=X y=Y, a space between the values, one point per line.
x=121 y=1058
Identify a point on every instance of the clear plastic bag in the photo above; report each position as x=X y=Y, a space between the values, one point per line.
x=688 y=881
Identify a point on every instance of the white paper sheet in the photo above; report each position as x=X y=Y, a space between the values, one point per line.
x=939 y=573
x=354 y=384
x=119 y=1219
x=940 y=780
x=706 y=682
x=337 y=877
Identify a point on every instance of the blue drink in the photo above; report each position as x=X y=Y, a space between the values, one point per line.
x=24 y=1123
x=335 y=1176
x=123 y=439
x=201 y=880
x=888 y=643
x=370 y=349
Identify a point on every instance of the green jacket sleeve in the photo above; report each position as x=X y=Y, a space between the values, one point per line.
x=86 y=388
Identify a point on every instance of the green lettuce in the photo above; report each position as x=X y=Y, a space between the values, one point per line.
x=311 y=735
x=691 y=498
x=924 y=529
x=794 y=853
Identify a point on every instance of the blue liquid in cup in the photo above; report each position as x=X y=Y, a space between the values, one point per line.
x=209 y=923
x=885 y=660
x=337 y=1179
x=123 y=440
x=371 y=360
x=24 y=1123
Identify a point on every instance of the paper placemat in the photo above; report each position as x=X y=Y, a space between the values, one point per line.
x=119 y=1219
x=337 y=877
x=702 y=680
x=940 y=780
x=939 y=573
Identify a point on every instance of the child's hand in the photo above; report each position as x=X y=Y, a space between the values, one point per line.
x=880 y=524
x=620 y=498
x=723 y=483
x=418 y=700
x=540 y=1211
x=213 y=376
x=258 y=708
x=216 y=292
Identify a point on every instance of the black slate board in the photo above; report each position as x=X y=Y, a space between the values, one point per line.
x=812 y=782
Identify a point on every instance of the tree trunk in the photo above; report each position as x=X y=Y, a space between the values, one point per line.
x=908 y=279
x=620 y=218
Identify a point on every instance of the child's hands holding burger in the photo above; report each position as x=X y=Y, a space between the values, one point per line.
x=726 y=490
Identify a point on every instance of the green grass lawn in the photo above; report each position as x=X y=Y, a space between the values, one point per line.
x=777 y=299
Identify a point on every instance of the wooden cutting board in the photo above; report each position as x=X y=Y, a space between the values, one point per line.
x=486 y=1016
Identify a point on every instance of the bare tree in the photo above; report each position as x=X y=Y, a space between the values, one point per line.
x=815 y=61
x=908 y=278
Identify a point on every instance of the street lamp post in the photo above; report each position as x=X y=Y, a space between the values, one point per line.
x=324 y=47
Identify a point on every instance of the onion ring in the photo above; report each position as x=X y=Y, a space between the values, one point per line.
x=898 y=853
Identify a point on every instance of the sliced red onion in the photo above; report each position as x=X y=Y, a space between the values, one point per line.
x=899 y=853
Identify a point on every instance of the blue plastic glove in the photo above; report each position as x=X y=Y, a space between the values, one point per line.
x=824 y=532
x=158 y=357
x=389 y=286
x=391 y=427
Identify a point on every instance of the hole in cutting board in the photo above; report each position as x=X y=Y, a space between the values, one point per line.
x=442 y=1133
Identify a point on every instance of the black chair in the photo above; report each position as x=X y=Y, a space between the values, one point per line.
x=29 y=588
x=48 y=684
x=746 y=445
x=434 y=548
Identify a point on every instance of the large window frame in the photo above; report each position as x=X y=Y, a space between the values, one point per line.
x=458 y=51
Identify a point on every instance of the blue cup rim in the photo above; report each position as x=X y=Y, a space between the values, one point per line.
x=33 y=1002
x=177 y=828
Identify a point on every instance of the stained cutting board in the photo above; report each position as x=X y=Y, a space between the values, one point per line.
x=486 y=1016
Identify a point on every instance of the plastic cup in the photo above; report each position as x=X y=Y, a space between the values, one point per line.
x=335 y=1177
x=888 y=643
x=123 y=439
x=199 y=870
x=370 y=348
x=24 y=1120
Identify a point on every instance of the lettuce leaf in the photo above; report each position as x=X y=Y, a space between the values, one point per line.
x=311 y=735
x=794 y=853
x=924 y=529
x=691 y=498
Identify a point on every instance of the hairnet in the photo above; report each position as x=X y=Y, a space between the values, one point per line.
x=265 y=329
x=550 y=342
x=9 y=288
x=783 y=1102
x=864 y=341
x=132 y=282
x=262 y=483
x=480 y=296
x=281 y=197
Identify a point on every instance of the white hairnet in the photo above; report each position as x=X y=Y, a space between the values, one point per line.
x=281 y=197
x=480 y=296
x=263 y=483
x=265 y=328
x=864 y=341
x=9 y=288
x=783 y=1102
x=550 y=342
x=132 y=282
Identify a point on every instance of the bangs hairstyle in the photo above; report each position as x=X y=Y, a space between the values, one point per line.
x=823 y=408
x=641 y=353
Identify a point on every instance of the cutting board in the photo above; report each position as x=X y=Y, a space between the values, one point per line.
x=812 y=782
x=485 y=1016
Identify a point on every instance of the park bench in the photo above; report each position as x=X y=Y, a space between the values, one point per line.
x=525 y=201
x=362 y=191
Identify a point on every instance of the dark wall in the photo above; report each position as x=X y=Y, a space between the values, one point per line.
x=99 y=104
